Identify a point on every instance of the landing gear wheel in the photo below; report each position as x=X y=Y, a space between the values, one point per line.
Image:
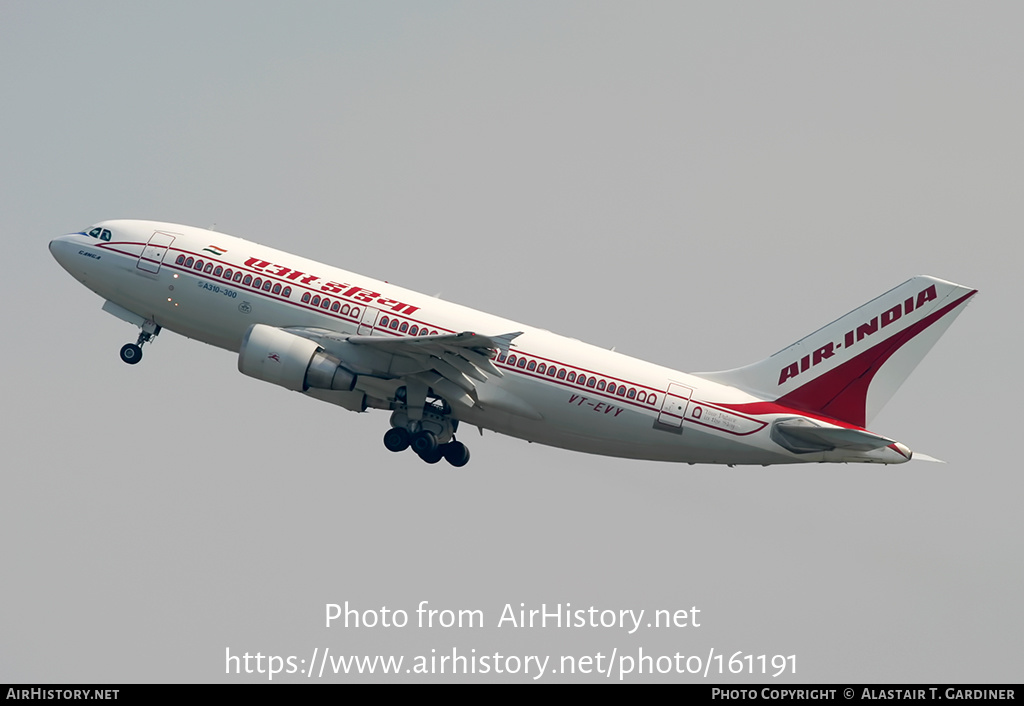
x=456 y=454
x=396 y=440
x=432 y=456
x=131 y=353
x=424 y=442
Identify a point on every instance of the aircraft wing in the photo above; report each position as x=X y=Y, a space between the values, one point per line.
x=456 y=366
x=444 y=343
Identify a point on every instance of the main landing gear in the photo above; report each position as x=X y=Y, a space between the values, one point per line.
x=428 y=430
x=131 y=353
x=426 y=446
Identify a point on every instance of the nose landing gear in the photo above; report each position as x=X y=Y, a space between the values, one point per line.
x=131 y=353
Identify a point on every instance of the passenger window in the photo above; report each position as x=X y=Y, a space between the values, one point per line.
x=532 y=365
x=228 y=273
x=404 y=327
x=591 y=382
x=512 y=360
x=572 y=377
x=199 y=265
x=414 y=330
x=561 y=374
x=305 y=298
x=551 y=371
x=521 y=363
x=286 y=292
x=631 y=394
x=600 y=385
x=266 y=285
x=336 y=306
x=258 y=282
x=541 y=368
x=384 y=321
x=218 y=271
x=277 y=289
x=394 y=323
x=180 y=260
x=238 y=276
x=209 y=268
x=189 y=262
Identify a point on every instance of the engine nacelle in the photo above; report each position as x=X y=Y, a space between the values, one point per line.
x=274 y=355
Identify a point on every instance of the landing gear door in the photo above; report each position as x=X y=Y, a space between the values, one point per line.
x=368 y=321
x=155 y=251
x=673 y=409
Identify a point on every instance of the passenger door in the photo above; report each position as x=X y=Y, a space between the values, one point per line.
x=155 y=251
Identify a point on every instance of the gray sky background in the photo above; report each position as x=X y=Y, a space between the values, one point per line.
x=697 y=184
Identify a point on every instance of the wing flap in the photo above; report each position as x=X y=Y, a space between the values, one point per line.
x=464 y=366
x=450 y=372
x=445 y=388
x=481 y=362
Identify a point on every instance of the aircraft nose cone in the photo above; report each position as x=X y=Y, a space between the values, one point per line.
x=61 y=249
x=57 y=249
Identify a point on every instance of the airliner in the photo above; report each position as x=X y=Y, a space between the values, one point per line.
x=439 y=367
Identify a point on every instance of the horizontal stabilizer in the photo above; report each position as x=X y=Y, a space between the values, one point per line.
x=802 y=435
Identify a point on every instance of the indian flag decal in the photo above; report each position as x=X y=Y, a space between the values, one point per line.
x=214 y=249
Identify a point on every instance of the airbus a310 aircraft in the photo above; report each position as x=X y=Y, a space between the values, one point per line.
x=361 y=343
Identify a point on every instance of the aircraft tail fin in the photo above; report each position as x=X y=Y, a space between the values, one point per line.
x=850 y=368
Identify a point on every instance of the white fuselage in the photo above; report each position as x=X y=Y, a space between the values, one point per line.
x=213 y=287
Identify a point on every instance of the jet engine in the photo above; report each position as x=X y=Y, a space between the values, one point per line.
x=274 y=355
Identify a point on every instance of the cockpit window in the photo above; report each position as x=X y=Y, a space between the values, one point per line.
x=99 y=233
